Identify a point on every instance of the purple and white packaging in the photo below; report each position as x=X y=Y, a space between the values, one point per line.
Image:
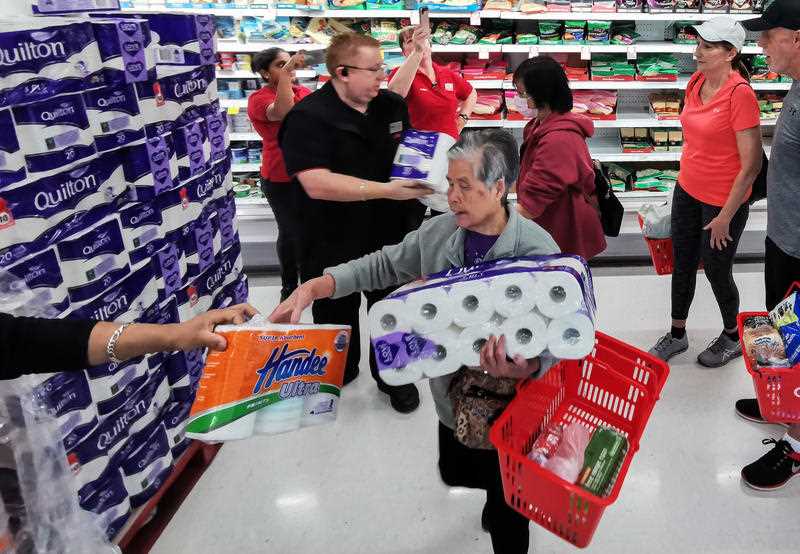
x=125 y=301
x=231 y=294
x=170 y=270
x=107 y=370
x=141 y=226
x=54 y=133
x=422 y=156
x=223 y=177
x=115 y=113
x=67 y=397
x=53 y=7
x=146 y=469
x=231 y=263
x=126 y=50
x=94 y=260
x=181 y=206
x=107 y=499
x=42 y=275
x=169 y=311
x=110 y=393
x=175 y=416
x=151 y=167
x=544 y=305
x=192 y=149
x=184 y=370
x=45 y=57
x=228 y=225
x=183 y=39
x=218 y=138
x=177 y=99
x=201 y=245
x=57 y=203
x=12 y=159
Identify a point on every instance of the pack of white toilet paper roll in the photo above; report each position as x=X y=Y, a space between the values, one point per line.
x=270 y=379
x=430 y=328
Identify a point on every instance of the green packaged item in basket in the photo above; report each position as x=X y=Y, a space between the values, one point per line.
x=550 y=32
x=444 y=33
x=466 y=35
x=598 y=32
x=574 y=32
x=685 y=33
x=527 y=38
x=602 y=460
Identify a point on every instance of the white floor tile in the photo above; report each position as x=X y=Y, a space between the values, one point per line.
x=369 y=483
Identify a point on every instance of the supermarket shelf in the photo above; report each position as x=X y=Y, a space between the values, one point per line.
x=228 y=45
x=240 y=103
x=300 y=74
x=245 y=136
x=271 y=13
x=245 y=168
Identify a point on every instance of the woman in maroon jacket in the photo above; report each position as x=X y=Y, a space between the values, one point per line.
x=556 y=180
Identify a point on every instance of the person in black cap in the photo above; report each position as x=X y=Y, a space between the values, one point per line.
x=339 y=143
x=780 y=38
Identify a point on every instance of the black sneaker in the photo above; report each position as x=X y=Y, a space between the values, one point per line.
x=404 y=399
x=747 y=408
x=485 y=517
x=774 y=469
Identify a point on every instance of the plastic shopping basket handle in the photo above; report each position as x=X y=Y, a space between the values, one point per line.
x=794 y=287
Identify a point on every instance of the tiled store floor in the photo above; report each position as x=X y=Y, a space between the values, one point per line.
x=369 y=483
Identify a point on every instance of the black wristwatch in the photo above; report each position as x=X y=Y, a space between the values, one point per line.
x=464 y=116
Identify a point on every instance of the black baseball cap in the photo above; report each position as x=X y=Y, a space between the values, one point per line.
x=777 y=13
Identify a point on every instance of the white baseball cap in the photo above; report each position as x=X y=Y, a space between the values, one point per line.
x=722 y=29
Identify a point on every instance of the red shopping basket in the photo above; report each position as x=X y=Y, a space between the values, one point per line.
x=660 y=252
x=616 y=386
x=777 y=388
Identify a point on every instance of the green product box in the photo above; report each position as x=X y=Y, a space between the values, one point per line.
x=602 y=459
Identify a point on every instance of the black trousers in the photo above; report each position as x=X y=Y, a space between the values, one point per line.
x=780 y=271
x=461 y=466
x=690 y=244
x=282 y=198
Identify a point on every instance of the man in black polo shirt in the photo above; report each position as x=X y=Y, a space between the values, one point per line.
x=339 y=143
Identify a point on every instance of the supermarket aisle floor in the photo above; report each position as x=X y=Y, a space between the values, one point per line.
x=369 y=483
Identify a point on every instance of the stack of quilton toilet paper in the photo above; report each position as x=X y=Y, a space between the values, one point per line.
x=270 y=379
x=430 y=328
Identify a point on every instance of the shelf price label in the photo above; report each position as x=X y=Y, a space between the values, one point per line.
x=475 y=18
x=233 y=110
x=533 y=52
x=483 y=54
x=631 y=52
x=415 y=17
x=270 y=14
x=586 y=53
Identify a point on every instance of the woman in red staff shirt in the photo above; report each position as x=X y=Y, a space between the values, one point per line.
x=266 y=109
x=438 y=99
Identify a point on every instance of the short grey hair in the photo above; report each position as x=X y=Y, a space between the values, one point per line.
x=494 y=154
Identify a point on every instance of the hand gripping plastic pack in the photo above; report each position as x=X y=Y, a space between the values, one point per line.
x=430 y=328
x=271 y=379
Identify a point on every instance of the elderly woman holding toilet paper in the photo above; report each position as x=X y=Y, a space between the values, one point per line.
x=480 y=228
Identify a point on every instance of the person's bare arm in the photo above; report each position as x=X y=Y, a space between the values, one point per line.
x=284 y=100
x=750 y=152
x=402 y=79
x=323 y=184
x=466 y=108
x=140 y=338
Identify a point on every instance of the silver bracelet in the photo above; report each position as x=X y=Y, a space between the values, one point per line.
x=111 y=347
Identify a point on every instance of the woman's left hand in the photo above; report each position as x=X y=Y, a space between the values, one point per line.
x=198 y=332
x=720 y=232
x=495 y=361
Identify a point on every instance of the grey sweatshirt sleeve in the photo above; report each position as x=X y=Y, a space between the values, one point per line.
x=390 y=266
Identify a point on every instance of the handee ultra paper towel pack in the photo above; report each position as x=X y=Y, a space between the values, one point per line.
x=432 y=327
x=271 y=379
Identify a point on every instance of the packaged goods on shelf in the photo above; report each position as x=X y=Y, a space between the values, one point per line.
x=532 y=6
x=688 y=6
x=385 y=4
x=527 y=38
x=386 y=31
x=581 y=5
x=618 y=176
x=550 y=32
x=466 y=35
x=742 y=5
x=624 y=32
x=612 y=67
x=770 y=105
x=661 y=6
x=443 y=33
x=575 y=68
x=322 y=30
x=598 y=32
x=665 y=106
x=716 y=6
x=558 y=5
x=604 y=6
x=675 y=140
x=684 y=32
x=656 y=180
x=657 y=67
x=597 y=104
x=346 y=4
x=630 y=5
x=574 y=32
x=451 y=5
x=488 y=106
x=660 y=140
x=499 y=31
x=635 y=140
x=225 y=27
x=761 y=72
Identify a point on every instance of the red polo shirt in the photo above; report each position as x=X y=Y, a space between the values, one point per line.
x=272 y=166
x=435 y=108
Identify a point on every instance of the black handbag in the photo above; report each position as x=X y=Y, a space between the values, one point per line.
x=608 y=206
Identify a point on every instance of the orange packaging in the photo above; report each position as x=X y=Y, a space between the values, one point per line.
x=270 y=379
